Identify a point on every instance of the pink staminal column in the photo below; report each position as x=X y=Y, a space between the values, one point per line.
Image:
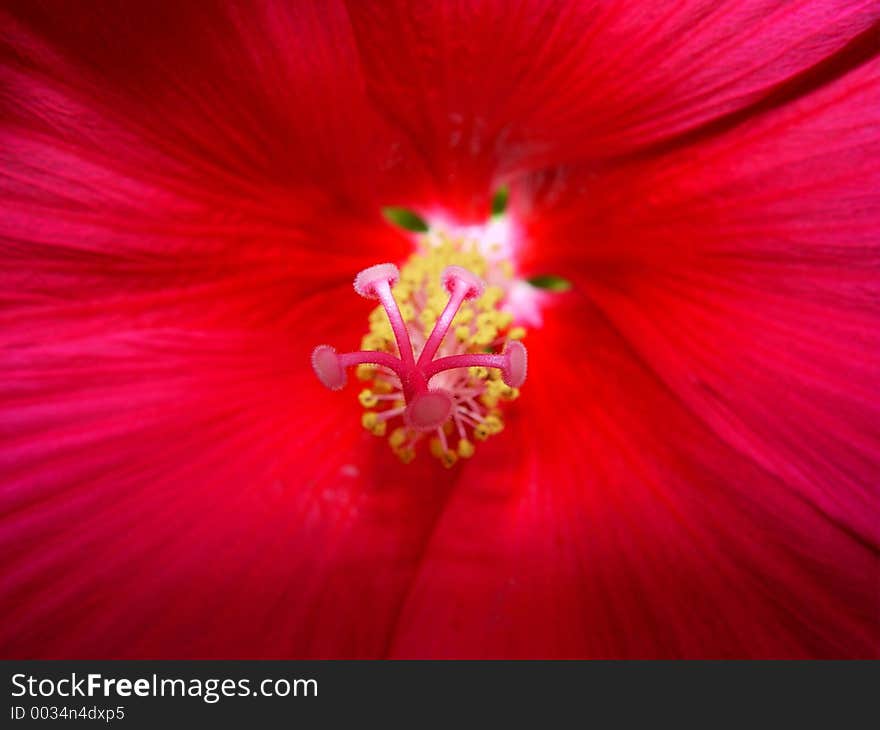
x=427 y=408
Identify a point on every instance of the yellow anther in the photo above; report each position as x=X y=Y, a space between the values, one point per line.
x=437 y=301
x=486 y=319
x=365 y=372
x=428 y=318
x=436 y=446
x=478 y=372
x=463 y=333
x=503 y=319
x=494 y=424
x=464 y=315
x=370 y=421
x=372 y=342
x=397 y=437
x=383 y=330
x=516 y=333
x=407 y=312
x=496 y=388
x=490 y=298
x=448 y=458
x=383 y=386
x=411 y=274
x=481 y=432
x=406 y=454
x=489 y=400
x=378 y=315
x=465 y=449
x=368 y=398
x=484 y=336
x=510 y=393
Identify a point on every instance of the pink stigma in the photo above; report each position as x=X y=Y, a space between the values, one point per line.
x=426 y=408
x=327 y=366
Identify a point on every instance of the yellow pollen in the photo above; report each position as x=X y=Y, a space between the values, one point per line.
x=370 y=421
x=365 y=372
x=503 y=320
x=382 y=387
x=368 y=398
x=373 y=342
x=397 y=438
x=481 y=432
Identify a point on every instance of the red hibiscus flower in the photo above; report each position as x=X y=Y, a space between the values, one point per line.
x=187 y=191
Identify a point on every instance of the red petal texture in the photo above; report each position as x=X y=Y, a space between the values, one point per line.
x=162 y=289
x=613 y=522
x=481 y=89
x=186 y=193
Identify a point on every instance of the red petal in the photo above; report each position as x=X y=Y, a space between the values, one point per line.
x=257 y=97
x=170 y=467
x=743 y=274
x=608 y=521
x=481 y=90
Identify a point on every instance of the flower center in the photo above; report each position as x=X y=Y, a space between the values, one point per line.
x=442 y=353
